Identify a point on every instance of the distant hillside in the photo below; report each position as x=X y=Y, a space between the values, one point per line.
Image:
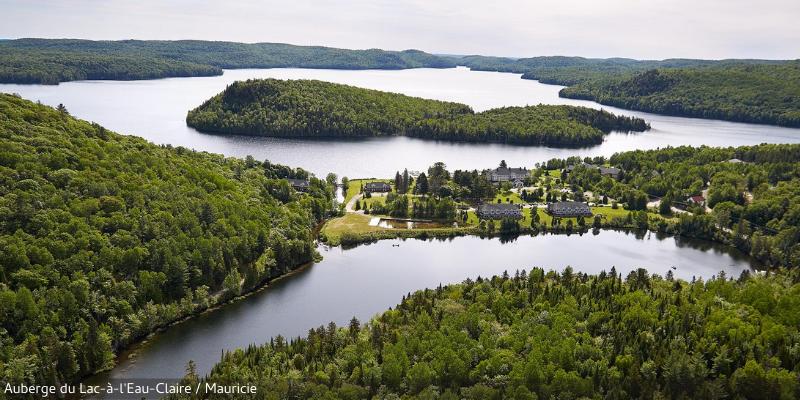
x=561 y=70
x=50 y=61
x=756 y=91
x=764 y=94
x=311 y=108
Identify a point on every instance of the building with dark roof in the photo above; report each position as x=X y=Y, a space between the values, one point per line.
x=498 y=211
x=569 y=209
x=610 y=171
x=697 y=200
x=508 y=174
x=378 y=187
x=301 y=185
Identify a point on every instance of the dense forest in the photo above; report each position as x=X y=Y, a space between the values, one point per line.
x=294 y=108
x=105 y=238
x=568 y=71
x=545 y=335
x=756 y=91
x=765 y=94
x=753 y=196
x=50 y=61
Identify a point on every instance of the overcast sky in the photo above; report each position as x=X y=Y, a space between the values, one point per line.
x=642 y=29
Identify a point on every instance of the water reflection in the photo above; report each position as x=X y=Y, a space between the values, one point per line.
x=367 y=279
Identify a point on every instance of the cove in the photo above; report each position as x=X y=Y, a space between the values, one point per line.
x=368 y=279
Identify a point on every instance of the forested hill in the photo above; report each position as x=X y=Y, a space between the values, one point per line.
x=50 y=61
x=764 y=94
x=545 y=336
x=309 y=108
x=756 y=91
x=561 y=70
x=105 y=238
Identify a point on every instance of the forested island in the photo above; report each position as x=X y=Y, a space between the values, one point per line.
x=50 y=61
x=106 y=238
x=545 y=335
x=310 y=108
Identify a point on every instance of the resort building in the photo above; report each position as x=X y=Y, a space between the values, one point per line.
x=378 y=187
x=508 y=174
x=569 y=209
x=498 y=211
x=604 y=171
x=300 y=185
x=699 y=200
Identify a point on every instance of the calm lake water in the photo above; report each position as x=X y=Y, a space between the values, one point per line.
x=371 y=278
x=156 y=110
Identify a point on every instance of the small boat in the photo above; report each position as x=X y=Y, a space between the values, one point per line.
x=395 y=245
x=674 y=267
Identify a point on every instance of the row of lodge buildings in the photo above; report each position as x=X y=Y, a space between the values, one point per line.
x=302 y=185
x=562 y=209
x=613 y=172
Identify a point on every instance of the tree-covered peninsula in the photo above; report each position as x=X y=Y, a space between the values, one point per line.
x=105 y=238
x=545 y=335
x=755 y=91
x=763 y=94
x=310 y=108
x=50 y=61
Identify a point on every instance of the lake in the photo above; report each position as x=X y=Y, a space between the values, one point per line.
x=156 y=110
x=371 y=278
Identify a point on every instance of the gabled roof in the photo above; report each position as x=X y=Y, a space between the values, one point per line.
x=609 y=170
x=498 y=207
x=297 y=182
x=602 y=169
x=509 y=171
x=698 y=199
x=568 y=206
x=375 y=185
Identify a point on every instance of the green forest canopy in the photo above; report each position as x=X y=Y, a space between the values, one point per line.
x=755 y=91
x=294 y=108
x=50 y=61
x=546 y=336
x=105 y=238
x=754 y=194
x=764 y=94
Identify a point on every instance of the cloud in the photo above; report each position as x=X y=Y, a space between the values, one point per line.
x=651 y=29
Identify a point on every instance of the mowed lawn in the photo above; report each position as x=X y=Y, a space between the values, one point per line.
x=354 y=187
x=350 y=222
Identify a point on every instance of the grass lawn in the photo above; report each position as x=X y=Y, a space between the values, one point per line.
x=350 y=222
x=472 y=219
x=512 y=196
x=609 y=212
x=355 y=186
x=375 y=200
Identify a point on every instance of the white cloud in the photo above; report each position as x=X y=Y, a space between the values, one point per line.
x=593 y=28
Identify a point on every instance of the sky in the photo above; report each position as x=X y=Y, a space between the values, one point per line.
x=641 y=29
